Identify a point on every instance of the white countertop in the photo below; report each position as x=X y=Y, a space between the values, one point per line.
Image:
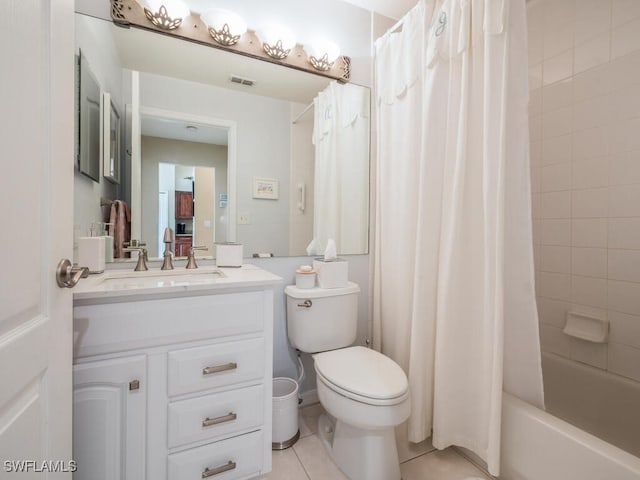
x=127 y=283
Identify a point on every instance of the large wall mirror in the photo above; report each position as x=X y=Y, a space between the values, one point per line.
x=227 y=148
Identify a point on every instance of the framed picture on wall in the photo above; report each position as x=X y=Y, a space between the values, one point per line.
x=265 y=188
x=110 y=139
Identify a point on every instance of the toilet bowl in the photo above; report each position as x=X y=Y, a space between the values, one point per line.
x=368 y=402
x=365 y=393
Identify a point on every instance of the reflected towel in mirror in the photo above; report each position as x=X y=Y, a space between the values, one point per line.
x=120 y=229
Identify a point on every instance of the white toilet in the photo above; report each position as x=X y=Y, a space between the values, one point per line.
x=366 y=392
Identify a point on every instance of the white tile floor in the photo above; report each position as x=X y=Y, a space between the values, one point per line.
x=308 y=460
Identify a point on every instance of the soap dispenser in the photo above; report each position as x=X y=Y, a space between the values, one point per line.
x=91 y=251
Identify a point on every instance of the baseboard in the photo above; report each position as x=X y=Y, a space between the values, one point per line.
x=309 y=397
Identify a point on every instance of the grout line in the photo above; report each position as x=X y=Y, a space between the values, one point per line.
x=433 y=450
x=418 y=455
x=300 y=461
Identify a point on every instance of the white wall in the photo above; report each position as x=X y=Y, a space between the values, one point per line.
x=585 y=144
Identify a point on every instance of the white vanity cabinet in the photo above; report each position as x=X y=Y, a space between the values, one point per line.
x=109 y=418
x=175 y=385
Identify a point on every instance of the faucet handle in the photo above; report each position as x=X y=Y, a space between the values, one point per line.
x=135 y=243
x=141 y=266
x=191 y=256
x=168 y=235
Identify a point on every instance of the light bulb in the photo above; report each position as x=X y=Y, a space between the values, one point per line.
x=320 y=47
x=225 y=27
x=322 y=54
x=166 y=14
x=277 y=41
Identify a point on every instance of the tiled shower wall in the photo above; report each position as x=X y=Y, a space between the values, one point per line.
x=584 y=60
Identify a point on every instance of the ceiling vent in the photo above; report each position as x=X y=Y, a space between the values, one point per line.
x=242 y=81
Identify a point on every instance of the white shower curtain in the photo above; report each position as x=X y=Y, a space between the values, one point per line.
x=454 y=299
x=341 y=177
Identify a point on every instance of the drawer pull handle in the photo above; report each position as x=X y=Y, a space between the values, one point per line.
x=210 y=472
x=207 y=422
x=219 y=368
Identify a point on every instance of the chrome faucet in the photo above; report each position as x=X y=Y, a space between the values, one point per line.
x=167 y=264
x=191 y=257
x=141 y=266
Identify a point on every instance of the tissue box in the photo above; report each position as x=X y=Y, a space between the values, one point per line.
x=333 y=274
x=228 y=254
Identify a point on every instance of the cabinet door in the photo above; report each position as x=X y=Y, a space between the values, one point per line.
x=182 y=245
x=184 y=205
x=109 y=400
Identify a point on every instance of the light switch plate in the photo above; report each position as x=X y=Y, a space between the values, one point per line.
x=244 y=218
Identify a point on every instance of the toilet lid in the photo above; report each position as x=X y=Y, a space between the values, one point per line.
x=362 y=371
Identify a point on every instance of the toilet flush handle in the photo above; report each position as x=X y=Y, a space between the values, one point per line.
x=306 y=304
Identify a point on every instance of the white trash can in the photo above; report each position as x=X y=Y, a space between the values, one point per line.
x=285 y=413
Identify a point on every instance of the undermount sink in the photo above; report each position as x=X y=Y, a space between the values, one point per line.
x=118 y=280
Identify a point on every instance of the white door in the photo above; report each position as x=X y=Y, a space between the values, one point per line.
x=109 y=418
x=36 y=182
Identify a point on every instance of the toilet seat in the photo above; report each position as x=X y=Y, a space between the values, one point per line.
x=362 y=374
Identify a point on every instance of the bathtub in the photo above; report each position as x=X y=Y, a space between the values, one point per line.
x=537 y=445
x=603 y=404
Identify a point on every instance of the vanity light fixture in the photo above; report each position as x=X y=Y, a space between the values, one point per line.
x=323 y=54
x=225 y=30
x=166 y=14
x=277 y=50
x=225 y=27
x=277 y=42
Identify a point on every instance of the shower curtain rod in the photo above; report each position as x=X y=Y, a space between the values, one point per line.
x=302 y=113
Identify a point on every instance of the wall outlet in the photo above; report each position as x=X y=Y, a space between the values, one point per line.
x=244 y=218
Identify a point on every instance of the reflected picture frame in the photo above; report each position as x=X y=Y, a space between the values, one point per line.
x=111 y=139
x=265 y=188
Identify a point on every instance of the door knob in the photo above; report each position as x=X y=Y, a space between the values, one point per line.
x=67 y=276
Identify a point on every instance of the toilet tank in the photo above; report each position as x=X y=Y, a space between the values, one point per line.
x=320 y=319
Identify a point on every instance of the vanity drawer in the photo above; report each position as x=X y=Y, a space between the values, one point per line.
x=213 y=366
x=132 y=325
x=214 y=416
x=236 y=458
